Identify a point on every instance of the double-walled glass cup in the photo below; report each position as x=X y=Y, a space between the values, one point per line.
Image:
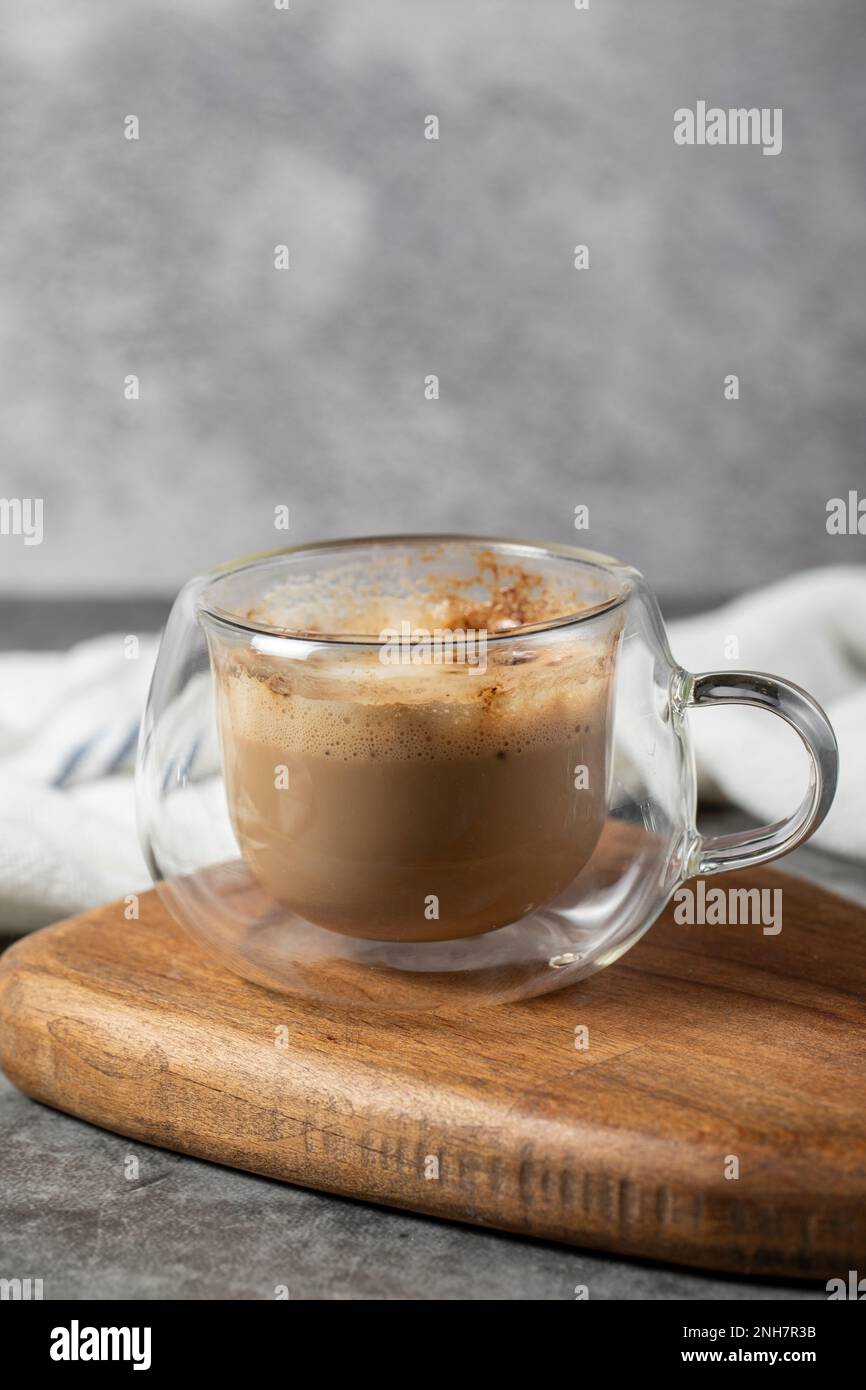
x=414 y=772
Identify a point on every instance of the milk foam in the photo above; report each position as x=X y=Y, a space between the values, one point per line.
x=352 y=711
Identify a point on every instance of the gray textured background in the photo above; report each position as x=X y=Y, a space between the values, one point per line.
x=410 y=257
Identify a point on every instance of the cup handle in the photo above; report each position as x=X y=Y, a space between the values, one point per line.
x=789 y=702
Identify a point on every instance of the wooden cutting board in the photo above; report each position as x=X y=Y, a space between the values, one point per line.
x=706 y=1044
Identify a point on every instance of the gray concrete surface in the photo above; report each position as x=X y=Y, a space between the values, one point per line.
x=408 y=257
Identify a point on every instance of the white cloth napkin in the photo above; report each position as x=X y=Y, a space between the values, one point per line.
x=68 y=732
x=68 y=726
x=810 y=629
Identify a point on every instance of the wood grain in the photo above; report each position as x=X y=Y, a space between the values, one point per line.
x=705 y=1042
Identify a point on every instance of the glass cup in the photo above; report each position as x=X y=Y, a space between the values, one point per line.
x=419 y=771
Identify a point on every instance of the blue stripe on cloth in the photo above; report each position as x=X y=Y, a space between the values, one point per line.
x=126 y=748
x=74 y=759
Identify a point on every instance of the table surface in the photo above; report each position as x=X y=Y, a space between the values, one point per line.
x=185 y=1229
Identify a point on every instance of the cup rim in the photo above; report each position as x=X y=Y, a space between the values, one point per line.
x=624 y=575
